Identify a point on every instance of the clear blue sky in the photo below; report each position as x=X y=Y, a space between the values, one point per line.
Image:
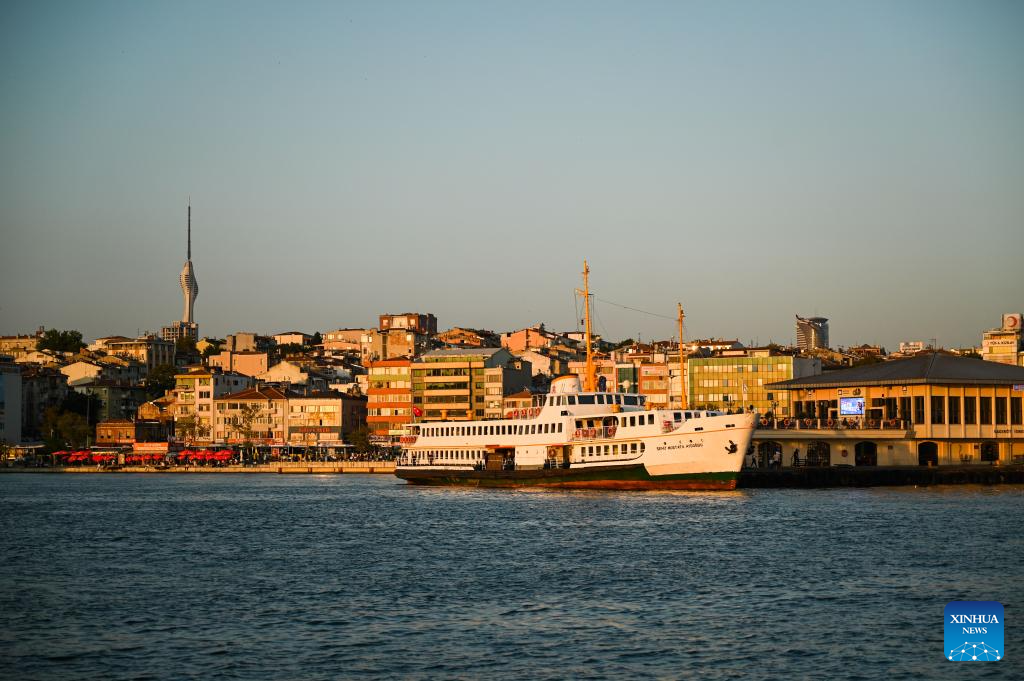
x=859 y=160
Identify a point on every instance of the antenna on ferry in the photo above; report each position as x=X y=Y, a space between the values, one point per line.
x=682 y=361
x=588 y=378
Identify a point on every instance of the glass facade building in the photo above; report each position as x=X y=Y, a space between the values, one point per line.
x=732 y=382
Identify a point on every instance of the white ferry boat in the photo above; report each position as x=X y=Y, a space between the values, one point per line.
x=579 y=437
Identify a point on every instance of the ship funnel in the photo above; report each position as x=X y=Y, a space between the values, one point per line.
x=565 y=385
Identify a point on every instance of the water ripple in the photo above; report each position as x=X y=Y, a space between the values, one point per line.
x=277 y=577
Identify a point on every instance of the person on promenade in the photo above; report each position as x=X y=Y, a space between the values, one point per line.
x=796 y=457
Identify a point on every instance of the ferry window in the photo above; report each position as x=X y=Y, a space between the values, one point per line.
x=618 y=399
x=650 y=419
x=642 y=447
x=632 y=420
x=600 y=399
x=677 y=416
x=632 y=447
x=606 y=450
x=559 y=427
x=590 y=450
x=629 y=399
x=547 y=428
x=586 y=399
x=572 y=399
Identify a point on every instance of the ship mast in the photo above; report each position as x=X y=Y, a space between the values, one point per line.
x=589 y=384
x=682 y=361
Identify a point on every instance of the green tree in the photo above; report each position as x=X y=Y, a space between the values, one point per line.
x=290 y=349
x=360 y=439
x=63 y=429
x=317 y=339
x=213 y=348
x=186 y=428
x=83 y=404
x=242 y=424
x=60 y=341
x=160 y=380
x=185 y=345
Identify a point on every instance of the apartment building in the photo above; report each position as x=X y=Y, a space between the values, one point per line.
x=389 y=399
x=196 y=390
x=417 y=322
x=466 y=383
x=251 y=416
x=323 y=419
x=151 y=351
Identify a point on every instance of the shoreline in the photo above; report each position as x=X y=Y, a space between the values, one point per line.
x=785 y=478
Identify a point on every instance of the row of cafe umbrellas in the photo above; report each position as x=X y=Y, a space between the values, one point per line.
x=205 y=455
x=85 y=456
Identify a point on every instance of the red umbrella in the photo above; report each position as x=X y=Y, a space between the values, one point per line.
x=185 y=453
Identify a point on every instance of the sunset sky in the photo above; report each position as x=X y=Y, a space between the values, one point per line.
x=862 y=161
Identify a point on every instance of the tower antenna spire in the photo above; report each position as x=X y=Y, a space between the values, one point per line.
x=189 y=228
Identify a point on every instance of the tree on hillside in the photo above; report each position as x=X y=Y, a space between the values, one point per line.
x=60 y=341
x=317 y=339
x=185 y=345
x=159 y=380
x=64 y=429
x=213 y=348
x=290 y=349
x=83 y=404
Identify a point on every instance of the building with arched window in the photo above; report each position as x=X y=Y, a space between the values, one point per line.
x=931 y=409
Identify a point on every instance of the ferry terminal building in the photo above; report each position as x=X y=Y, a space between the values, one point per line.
x=931 y=409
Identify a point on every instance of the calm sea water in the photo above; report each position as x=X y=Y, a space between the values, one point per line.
x=296 y=577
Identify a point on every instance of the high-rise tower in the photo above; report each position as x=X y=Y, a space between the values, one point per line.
x=811 y=333
x=189 y=285
x=190 y=289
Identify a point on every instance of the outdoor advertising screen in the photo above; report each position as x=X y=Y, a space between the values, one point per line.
x=851 y=406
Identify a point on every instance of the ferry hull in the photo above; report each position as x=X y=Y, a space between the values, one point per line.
x=633 y=477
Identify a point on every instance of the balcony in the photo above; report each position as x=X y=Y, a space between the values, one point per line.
x=841 y=428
